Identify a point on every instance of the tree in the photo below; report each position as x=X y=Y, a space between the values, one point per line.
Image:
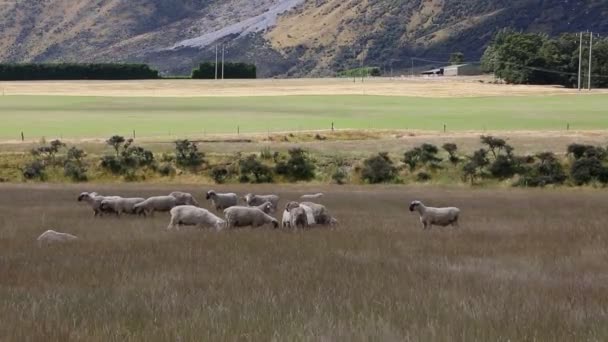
x=495 y=144
x=298 y=166
x=116 y=142
x=452 y=149
x=457 y=58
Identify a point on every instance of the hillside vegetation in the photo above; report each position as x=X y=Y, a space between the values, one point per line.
x=317 y=37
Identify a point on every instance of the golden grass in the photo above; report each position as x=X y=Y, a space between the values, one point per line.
x=526 y=265
x=418 y=87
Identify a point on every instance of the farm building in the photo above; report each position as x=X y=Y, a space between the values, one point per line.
x=455 y=70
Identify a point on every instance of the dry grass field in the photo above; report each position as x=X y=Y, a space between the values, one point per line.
x=400 y=86
x=524 y=266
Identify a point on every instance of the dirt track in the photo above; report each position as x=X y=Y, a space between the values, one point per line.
x=403 y=86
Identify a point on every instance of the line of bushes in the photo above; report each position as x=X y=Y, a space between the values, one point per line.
x=360 y=72
x=231 y=71
x=495 y=161
x=74 y=71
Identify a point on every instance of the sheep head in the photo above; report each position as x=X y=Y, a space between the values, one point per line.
x=414 y=205
x=210 y=194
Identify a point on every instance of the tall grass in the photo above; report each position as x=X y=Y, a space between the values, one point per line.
x=525 y=265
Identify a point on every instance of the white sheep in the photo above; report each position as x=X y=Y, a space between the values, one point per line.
x=320 y=213
x=189 y=215
x=312 y=196
x=430 y=216
x=265 y=207
x=120 y=205
x=157 y=203
x=222 y=201
x=94 y=200
x=255 y=200
x=51 y=236
x=248 y=216
x=184 y=198
x=302 y=215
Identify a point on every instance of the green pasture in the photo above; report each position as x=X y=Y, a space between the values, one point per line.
x=77 y=117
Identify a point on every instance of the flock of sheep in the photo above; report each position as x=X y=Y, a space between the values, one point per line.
x=256 y=211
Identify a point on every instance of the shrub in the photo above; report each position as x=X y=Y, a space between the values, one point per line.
x=266 y=154
x=75 y=171
x=504 y=167
x=423 y=177
x=252 y=170
x=187 y=154
x=585 y=170
x=34 y=170
x=378 y=169
x=339 y=176
x=452 y=149
x=298 y=166
x=474 y=168
x=219 y=174
x=425 y=154
x=116 y=142
x=166 y=170
x=112 y=164
x=231 y=70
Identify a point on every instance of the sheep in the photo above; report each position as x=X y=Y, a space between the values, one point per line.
x=305 y=215
x=94 y=200
x=430 y=216
x=152 y=204
x=254 y=200
x=320 y=213
x=184 y=198
x=120 y=205
x=312 y=196
x=248 y=216
x=51 y=236
x=190 y=215
x=222 y=201
x=266 y=207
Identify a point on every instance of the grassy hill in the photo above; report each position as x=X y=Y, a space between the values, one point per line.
x=316 y=37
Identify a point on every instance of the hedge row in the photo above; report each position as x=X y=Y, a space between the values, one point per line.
x=231 y=71
x=72 y=71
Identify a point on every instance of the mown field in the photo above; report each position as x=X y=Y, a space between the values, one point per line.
x=525 y=265
x=100 y=117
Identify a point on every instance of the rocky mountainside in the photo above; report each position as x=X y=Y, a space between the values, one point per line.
x=284 y=37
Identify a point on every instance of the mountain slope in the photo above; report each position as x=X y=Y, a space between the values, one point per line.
x=284 y=37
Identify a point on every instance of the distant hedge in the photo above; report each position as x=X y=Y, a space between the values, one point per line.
x=73 y=71
x=231 y=70
x=360 y=72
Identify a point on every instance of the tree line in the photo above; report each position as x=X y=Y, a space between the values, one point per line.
x=536 y=58
x=75 y=71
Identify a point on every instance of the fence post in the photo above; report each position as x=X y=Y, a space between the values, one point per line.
x=444 y=128
x=22 y=137
x=238 y=130
x=332 y=126
x=133 y=134
x=568 y=127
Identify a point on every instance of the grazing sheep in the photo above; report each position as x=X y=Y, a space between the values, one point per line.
x=222 y=201
x=94 y=200
x=312 y=196
x=248 y=216
x=255 y=200
x=430 y=216
x=189 y=215
x=303 y=215
x=51 y=236
x=184 y=198
x=120 y=205
x=320 y=213
x=152 y=204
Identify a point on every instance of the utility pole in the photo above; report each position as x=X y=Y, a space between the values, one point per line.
x=590 y=54
x=216 y=62
x=223 y=49
x=580 y=61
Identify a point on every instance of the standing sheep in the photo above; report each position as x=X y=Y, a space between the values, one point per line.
x=152 y=204
x=247 y=216
x=94 y=201
x=430 y=216
x=222 y=201
x=255 y=200
x=188 y=215
x=120 y=206
x=184 y=198
x=305 y=215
